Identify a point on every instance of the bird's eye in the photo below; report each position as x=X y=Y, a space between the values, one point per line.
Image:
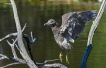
x=51 y=21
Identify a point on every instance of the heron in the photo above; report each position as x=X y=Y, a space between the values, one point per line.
x=73 y=23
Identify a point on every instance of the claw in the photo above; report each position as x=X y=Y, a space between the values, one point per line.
x=67 y=61
x=60 y=56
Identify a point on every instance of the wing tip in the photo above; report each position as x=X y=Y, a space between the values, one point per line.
x=94 y=13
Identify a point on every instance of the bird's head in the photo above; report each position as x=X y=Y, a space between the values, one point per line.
x=51 y=22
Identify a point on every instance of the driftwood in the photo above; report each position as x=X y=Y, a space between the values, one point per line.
x=91 y=34
x=21 y=47
x=55 y=65
x=96 y=22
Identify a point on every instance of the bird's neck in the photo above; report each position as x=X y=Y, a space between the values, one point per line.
x=54 y=29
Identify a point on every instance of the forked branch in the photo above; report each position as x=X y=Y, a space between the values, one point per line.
x=24 y=53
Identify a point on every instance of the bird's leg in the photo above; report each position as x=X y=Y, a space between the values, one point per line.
x=60 y=56
x=67 y=61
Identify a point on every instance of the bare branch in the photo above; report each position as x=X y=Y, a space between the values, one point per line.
x=18 y=48
x=12 y=34
x=15 y=63
x=11 y=58
x=24 y=53
x=9 y=35
x=51 y=60
x=2 y=57
x=33 y=39
x=12 y=48
x=96 y=22
x=55 y=65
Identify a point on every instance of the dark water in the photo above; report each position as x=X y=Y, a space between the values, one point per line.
x=35 y=14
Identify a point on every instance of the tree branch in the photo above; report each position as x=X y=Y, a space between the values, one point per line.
x=12 y=34
x=15 y=63
x=24 y=54
x=96 y=23
x=12 y=48
x=11 y=58
x=91 y=34
x=55 y=65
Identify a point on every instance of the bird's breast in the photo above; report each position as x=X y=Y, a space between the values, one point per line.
x=59 y=39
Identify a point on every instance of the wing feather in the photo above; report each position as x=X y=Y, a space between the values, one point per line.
x=73 y=23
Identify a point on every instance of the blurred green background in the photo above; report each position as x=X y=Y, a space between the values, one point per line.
x=37 y=12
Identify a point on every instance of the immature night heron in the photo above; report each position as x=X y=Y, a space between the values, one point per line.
x=73 y=23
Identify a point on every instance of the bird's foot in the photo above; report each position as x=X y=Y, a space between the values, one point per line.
x=60 y=56
x=67 y=61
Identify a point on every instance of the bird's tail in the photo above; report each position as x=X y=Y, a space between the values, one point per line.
x=69 y=46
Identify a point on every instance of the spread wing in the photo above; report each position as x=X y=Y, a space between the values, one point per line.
x=73 y=23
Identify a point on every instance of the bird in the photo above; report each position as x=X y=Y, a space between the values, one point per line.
x=73 y=24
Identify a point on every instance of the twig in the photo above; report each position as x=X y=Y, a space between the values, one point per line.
x=24 y=54
x=12 y=48
x=96 y=23
x=2 y=57
x=15 y=63
x=51 y=60
x=12 y=34
x=12 y=45
x=55 y=65
x=11 y=58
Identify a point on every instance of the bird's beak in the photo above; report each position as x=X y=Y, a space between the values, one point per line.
x=46 y=23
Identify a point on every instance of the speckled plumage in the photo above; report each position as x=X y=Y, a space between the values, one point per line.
x=73 y=23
